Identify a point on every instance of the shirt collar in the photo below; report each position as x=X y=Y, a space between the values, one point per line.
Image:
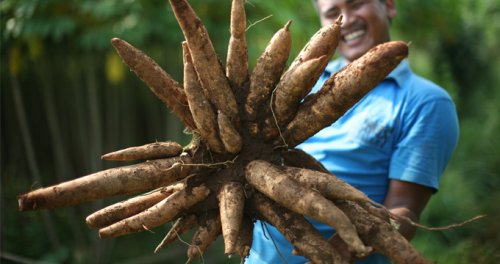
x=399 y=74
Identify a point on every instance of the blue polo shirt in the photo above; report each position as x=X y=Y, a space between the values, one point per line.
x=406 y=128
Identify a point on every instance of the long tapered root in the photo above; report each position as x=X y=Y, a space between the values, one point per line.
x=274 y=183
x=207 y=232
x=163 y=212
x=119 y=211
x=155 y=150
x=205 y=60
x=342 y=90
x=231 y=205
x=180 y=227
x=267 y=71
x=118 y=181
x=296 y=229
x=229 y=135
x=166 y=88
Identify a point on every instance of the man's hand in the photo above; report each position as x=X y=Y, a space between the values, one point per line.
x=403 y=198
x=348 y=252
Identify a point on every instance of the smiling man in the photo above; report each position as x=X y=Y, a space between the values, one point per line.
x=393 y=145
x=365 y=24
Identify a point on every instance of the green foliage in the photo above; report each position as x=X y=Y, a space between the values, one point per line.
x=75 y=110
x=454 y=44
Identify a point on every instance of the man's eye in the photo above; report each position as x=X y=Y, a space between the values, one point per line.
x=357 y=5
x=332 y=15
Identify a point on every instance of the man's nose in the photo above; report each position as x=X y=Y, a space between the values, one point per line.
x=348 y=19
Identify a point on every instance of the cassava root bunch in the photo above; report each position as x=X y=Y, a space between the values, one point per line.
x=232 y=174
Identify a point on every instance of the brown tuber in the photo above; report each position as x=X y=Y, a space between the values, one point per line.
x=116 y=212
x=231 y=174
x=118 y=181
x=150 y=151
x=163 y=212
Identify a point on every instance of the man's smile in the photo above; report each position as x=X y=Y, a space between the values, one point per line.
x=354 y=34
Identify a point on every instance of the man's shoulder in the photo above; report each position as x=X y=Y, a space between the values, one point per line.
x=424 y=90
x=415 y=87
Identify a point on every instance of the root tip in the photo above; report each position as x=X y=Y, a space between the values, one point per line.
x=88 y=220
x=339 y=20
x=159 y=248
x=116 y=41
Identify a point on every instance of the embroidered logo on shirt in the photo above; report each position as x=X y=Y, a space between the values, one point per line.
x=373 y=133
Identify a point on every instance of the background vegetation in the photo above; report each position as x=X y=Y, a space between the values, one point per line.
x=66 y=98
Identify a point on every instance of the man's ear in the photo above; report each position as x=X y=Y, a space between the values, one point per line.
x=390 y=7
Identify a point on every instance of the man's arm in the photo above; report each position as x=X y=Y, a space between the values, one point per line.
x=403 y=198
x=407 y=199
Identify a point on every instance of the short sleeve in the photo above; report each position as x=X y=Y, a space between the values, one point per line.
x=428 y=137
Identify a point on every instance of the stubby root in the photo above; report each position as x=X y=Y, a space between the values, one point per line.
x=229 y=135
x=231 y=205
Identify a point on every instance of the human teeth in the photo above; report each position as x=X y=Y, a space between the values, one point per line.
x=354 y=34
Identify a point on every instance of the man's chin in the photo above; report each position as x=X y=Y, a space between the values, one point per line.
x=353 y=52
x=352 y=55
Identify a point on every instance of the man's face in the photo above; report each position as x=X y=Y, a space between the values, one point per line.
x=365 y=23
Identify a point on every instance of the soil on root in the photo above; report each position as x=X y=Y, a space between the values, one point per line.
x=230 y=167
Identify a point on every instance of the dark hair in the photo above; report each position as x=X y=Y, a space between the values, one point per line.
x=315 y=4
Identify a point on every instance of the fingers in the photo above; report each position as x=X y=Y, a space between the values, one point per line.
x=360 y=256
x=341 y=247
x=378 y=212
x=347 y=252
x=296 y=252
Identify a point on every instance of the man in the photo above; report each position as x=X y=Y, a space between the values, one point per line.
x=393 y=145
